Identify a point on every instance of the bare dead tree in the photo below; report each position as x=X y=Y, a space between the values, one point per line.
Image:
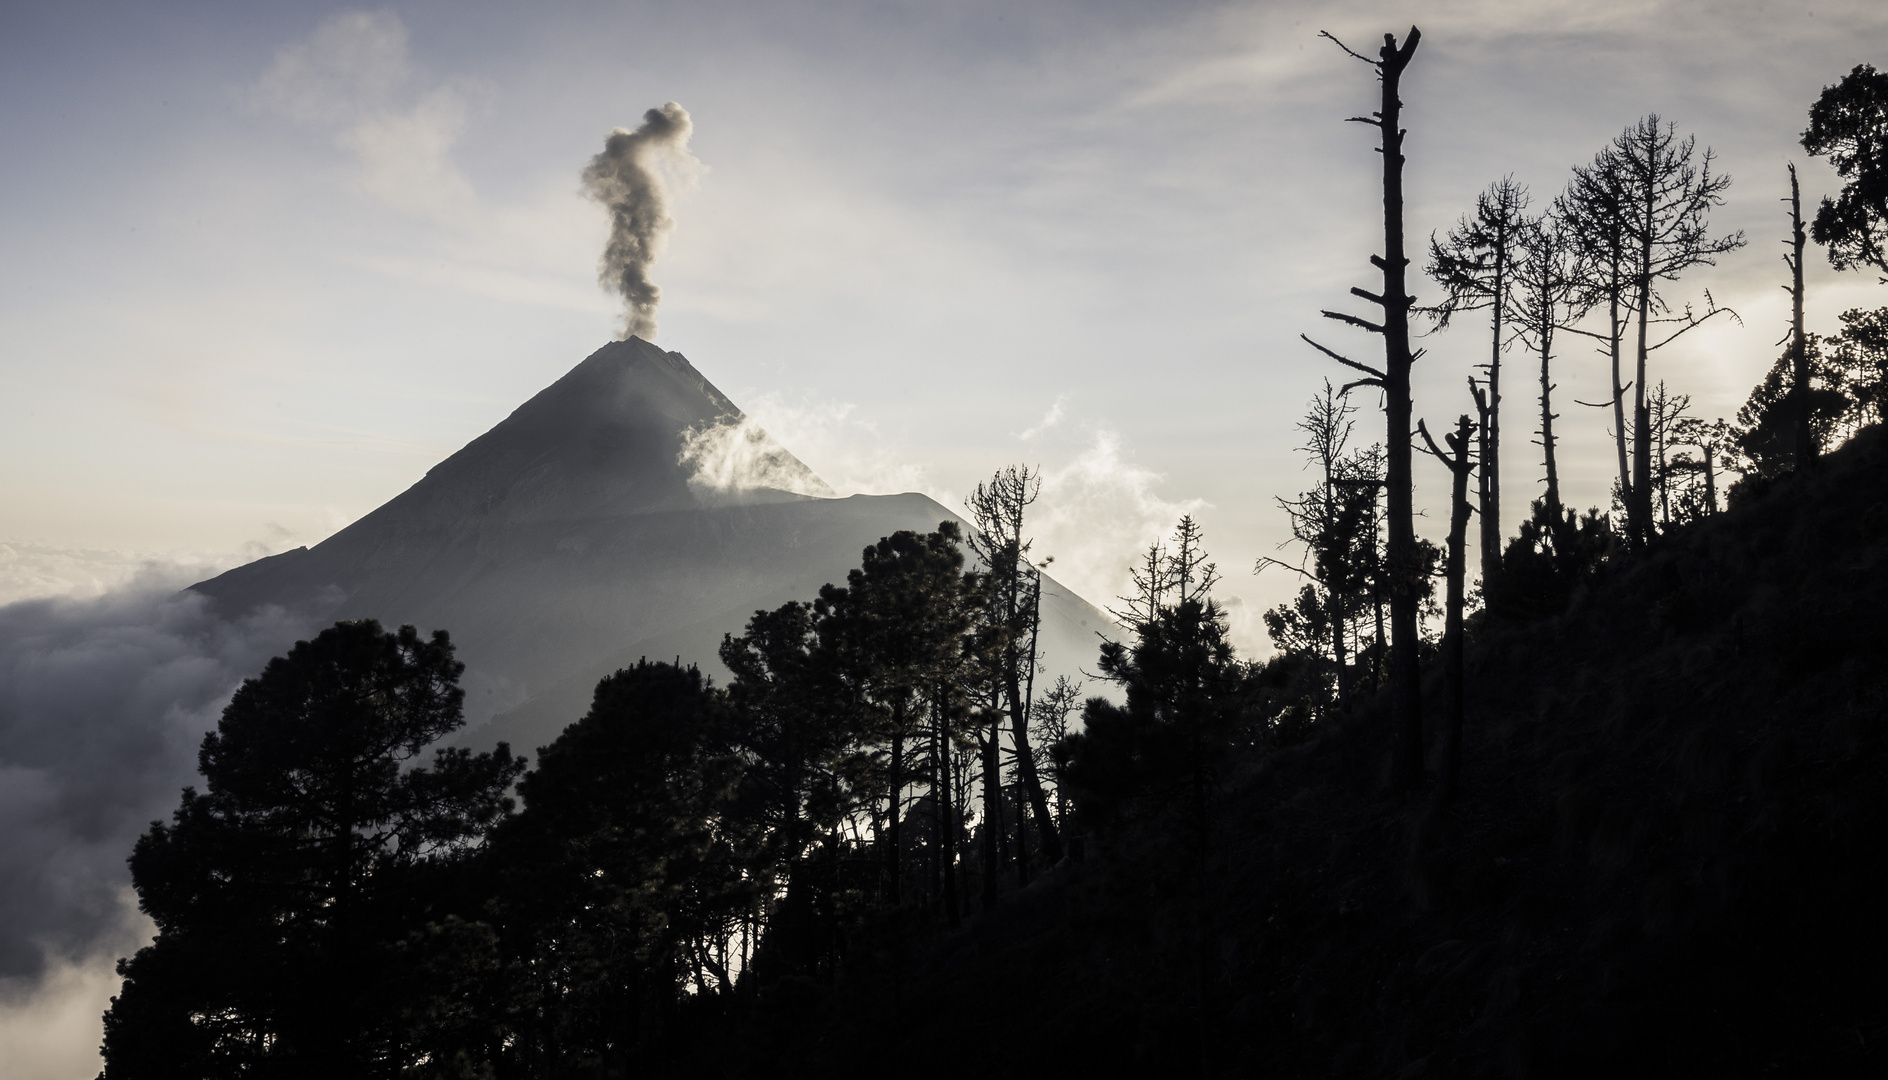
x=1592 y=210
x=1052 y=712
x=1656 y=193
x=1475 y=265
x=1395 y=302
x=1799 y=349
x=1149 y=575
x=1549 y=291
x=1667 y=413
x=1189 y=571
x=1460 y=464
x=1710 y=438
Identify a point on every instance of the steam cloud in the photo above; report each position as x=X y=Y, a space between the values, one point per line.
x=628 y=177
x=733 y=455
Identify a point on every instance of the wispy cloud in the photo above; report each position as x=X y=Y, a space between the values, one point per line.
x=1099 y=509
x=852 y=455
x=1049 y=420
x=354 y=80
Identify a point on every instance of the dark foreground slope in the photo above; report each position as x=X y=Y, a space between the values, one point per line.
x=1671 y=859
x=573 y=538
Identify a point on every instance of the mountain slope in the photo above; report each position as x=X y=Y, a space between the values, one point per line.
x=1668 y=859
x=573 y=538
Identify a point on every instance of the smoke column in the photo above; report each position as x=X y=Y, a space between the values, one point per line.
x=627 y=179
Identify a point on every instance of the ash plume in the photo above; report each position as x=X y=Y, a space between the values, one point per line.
x=629 y=178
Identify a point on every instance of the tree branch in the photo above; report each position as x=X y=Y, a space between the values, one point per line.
x=1608 y=403
x=1267 y=560
x=1353 y=320
x=1692 y=323
x=1365 y=368
x=1346 y=48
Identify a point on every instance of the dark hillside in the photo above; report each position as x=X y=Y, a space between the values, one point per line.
x=1670 y=858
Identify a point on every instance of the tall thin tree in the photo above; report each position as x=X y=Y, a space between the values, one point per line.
x=1460 y=464
x=1663 y=192
x=1593 y=211
x=997 y=508
x=1799 y=347
x=1549 y=291
x=1402 y=558
x=1475 y=265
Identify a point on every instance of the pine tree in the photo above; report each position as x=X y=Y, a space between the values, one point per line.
x=284 y=894
x=618 y=875
x=895 y=632
x=1337 y=524
x=1848 y=124
x=796 y=735
x=998 y=509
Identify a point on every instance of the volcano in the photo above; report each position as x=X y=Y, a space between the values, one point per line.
x=579 y=535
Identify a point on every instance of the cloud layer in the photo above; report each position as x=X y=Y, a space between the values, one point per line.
x=103 y=702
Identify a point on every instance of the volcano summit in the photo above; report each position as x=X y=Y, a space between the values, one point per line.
x=579 y=534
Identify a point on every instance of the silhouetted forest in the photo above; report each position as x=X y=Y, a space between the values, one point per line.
x=1613 y=803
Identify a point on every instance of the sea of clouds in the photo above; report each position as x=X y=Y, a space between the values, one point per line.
x=107 y=688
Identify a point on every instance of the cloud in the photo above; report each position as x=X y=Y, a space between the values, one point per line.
x=31 y=570
x=54 y=1033
x=353 y=78
x=405 y=158
x=1097 y=511
x=103 y=703
x=1049 y=420
x=735 y=454
x=398 y=130
x=352 y=64
x=852 y=456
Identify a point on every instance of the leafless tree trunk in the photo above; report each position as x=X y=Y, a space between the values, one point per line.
x=1669 y=197
x=992 y=796
x=894 y=826
x=1460 y=465
x=1799 y=346
x=1475 y=265
x=945 y=805
x=1550 y=290
x=1406 y=767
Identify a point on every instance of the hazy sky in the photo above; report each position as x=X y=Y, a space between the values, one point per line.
x=268 y=263
x=264 y=264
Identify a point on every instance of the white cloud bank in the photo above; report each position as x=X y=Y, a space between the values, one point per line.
x=103 y=703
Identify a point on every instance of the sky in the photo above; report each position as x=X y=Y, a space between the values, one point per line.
x=265 y=264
